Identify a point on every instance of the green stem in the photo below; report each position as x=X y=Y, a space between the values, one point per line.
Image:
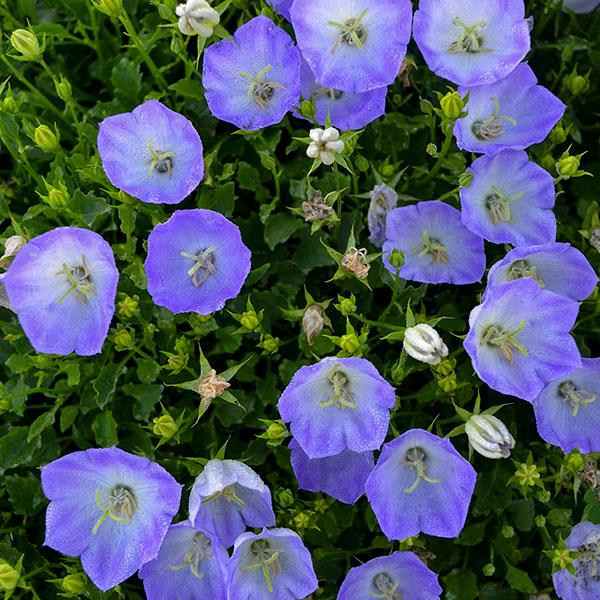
x=441 y=156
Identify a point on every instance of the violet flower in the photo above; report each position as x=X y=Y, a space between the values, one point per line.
x=273 y=564
x=342 y=476
x=509 y=200
x=567 y=411
x=519 y=338
x=337 y=404
x=152 y=153
x=585 y=584
x=420 y=484
x=62 y=285
x=437 y=247
x=557 y=267
x=580 y=6
x=383 y=199
x=400 y=575
x=512 y=113
x=227 y=497
x=189 y=566
x=345 y=110
x=110 y=507
x=282 y=7
x=254 y=79
x=353 y=46
x=196 y=261
x=473 y=42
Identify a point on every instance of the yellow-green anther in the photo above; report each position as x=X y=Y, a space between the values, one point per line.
x=505 y=340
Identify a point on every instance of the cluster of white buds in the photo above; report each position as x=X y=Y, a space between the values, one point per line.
x=325 y=144
x=424 y=343
x=489 y=436
x=197 y=17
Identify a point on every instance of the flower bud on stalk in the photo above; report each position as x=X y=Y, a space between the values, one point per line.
x=165 y=426
x=46 y=139
x=452 y=105
x=424 y=343
x=26 y=43
x=9 y=576
x=489 y=436
x=197 y=17
x=74 y=583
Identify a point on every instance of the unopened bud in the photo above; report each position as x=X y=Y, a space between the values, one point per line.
x=312 y=322
x=212 y=385
x=489 y=570
x=558 y=135
x=276 y=431
x=26 y=43
x=46 y=139
x=165 y=426
x=123 y=339
x=112 y=8
x=568 y=166
x=269 y=344
x=9 y=576
x=74 y=583
x=63 y=89
x=347 y=305
x=11 y=246
x=197 y=17
x=128 y=307
x=578 y=84
x=465 y=179
x=489 y=436
x=396 y=259
x=356 y=262
x=302 y=520
x=424 y=343
x=452 y=105
x=250 y=320
x=350 y=343
x=56 y=198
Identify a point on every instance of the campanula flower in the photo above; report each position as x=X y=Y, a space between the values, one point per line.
x=383 y=199
x=509 y=200
x=152 y=153
x=353 y=46
x=512 y=113
x=273 y=564
x=425 y=344
x=196 y=261
x=190 y=565
x=519 y=338
x=489 y=436
x=585 y=584
x=62 y=285
x=342 y=476
x=282 y=7
x=420 y=484
x=227 y=497
x=325 y=144
x=337 y=404
x=110 y=507
x=437 y=247
x=557 y=267
x=400 y=575
x=567 y=411
x=254 y=79
x=472 y=42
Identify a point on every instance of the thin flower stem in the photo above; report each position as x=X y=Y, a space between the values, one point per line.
x=441 y=156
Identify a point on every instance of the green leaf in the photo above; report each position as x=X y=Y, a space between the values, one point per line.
x=519 y=580
x=16 y=449
x=42 y=422
x=279 y=228
x=104 y=427
x=188 y=89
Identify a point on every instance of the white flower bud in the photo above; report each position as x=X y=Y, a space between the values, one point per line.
x=489 y=436
x=11 y=246
x=197 y=17
x=424 y=343
x=325 y=144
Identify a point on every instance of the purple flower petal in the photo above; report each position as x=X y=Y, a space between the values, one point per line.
x=152 y=153
x=228 y=497
x=401 y=572
x=337 y=404
x=509 y=200
x=472 y=42
x=437 y=247
x=111 y=507
x=519 y=338
x=353 y=46
x=196 y=261
x=272 y=564
x=342 y=476
x=253 y=80
x=580 y=6
x=62 y=285
x=420 y=484
x=189 y=566
x=557 y=267
x=512 y=113
x=282 y=7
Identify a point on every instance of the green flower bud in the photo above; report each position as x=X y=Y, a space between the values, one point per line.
x=540 y=521
x=548 y=162
x=561 y=557
x=489 y=570
x=165 y=426
x=269 y=344
x=46 y=139
x=9 y=576
x=396 y=259
x=558 y=135
x=56 y=198
x=388 y=171
x=448 y=384
x=26 y=43
x=452 y=105
x=250 y=320
x=507 y=531
x=112 y=8
x=347 y=306
x=302 y=520
x=285 y=498
x=123 y=339
x=128 y=307
x=63 y=89
x=465 y=179
x=75 y=583
x=350 y=343
x=578 y=84
x=276 y=431
x=9 y=105
x=574 y=461
x=527 y=475
x=567 y=166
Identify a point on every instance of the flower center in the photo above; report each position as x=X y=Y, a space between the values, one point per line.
x=266 y=559
x=80 y=281
x=120 y=506
x=470 y=40
x=331 y=93
x=576 y=397
x=498 y=205
x=491 y=128
x=228 y=493
x=433 y=248
x=385 y=587
x=587 y=565
x=261 y=89
x=204 y=265
x=352 y=32
x=519 y=269
x=200 y=549
x=341 y=396
x=160 y=161
x=415 y=461
x=505 y=340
